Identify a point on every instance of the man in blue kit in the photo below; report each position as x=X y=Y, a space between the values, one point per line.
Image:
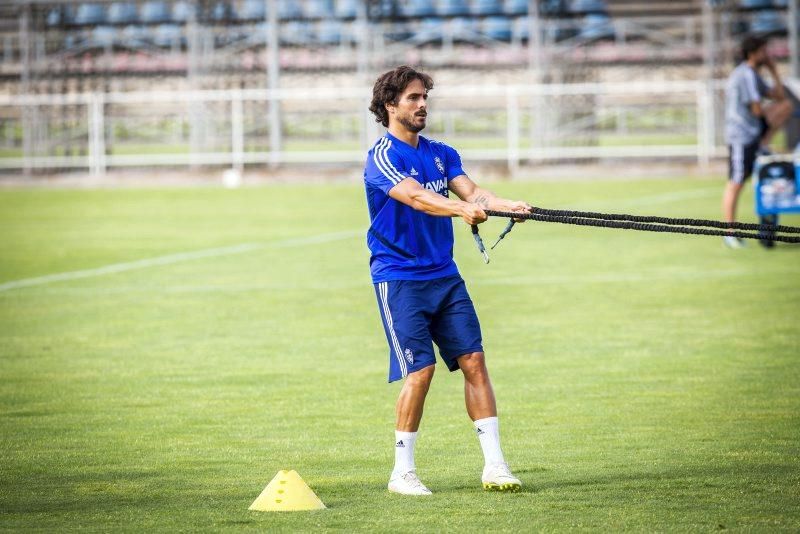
x=421 y=296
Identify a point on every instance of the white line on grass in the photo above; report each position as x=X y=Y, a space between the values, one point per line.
x=699 y=276
x=170 y=259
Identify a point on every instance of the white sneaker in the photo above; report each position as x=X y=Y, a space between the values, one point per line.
x=408 y=484
x=733 y=242
x=498 y=477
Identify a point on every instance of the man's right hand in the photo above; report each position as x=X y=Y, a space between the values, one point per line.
x=472 y=213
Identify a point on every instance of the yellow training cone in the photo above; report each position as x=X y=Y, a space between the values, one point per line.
x=287 y=492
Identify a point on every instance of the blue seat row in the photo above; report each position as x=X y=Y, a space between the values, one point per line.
x=328 y=32
x=769 y=22
x=333 y=31
x=566 y=8
x=150 y=12
x=133 y=37
x=446 y=8
x=589 y=28
x=161 y=11
x=763 y=4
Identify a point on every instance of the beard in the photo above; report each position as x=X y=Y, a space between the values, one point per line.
x=409 y=123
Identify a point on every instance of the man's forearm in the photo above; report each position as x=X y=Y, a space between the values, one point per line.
x=436 y=204
x=777 y=91
x=489 y=201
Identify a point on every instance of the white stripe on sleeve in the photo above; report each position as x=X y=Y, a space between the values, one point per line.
x=381 y=157
x=752 y=88
x=376 y=157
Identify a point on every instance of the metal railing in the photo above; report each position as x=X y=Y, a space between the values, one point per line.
x=515 y=124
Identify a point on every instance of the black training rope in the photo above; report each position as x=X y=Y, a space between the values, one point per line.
x=609 y=220
x=668 y=220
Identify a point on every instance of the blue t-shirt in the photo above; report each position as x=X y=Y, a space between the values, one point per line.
x=407 y=244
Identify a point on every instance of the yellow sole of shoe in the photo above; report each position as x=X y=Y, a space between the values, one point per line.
x=488 y=486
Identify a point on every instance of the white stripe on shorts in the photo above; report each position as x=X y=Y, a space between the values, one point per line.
x=383 y=288
x=737 y=163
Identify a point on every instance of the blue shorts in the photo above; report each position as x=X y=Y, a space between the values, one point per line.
x=418 y=313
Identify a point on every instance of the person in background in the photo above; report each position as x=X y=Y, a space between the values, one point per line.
x=754 y=112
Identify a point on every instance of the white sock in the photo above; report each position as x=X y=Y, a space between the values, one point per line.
x=489 y=435
x=403 y=452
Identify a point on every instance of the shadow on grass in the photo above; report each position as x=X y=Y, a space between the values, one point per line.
x=621 y=479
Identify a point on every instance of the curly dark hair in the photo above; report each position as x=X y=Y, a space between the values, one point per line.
x=751 y=44
x=390 y=85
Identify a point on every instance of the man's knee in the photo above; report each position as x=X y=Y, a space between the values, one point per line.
x=421 y=378
x=734 y=187
x=472 y=364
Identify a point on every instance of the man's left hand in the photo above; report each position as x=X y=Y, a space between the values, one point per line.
x=519 y=206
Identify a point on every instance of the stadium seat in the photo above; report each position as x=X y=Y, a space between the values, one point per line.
x=768 y=22
x=260 y=32
x=252 y=10
x=183 y=11
x=521 y=29
x=53 y=17
x=595 y=27
x=486 y=7
x=296 y=32
x=69 y=41
x=557 y=31
x=90 y=14
x=318 y=9
x=104 y=36
x=755 y=4
x=68 y=14
x=429 y=30
x=135 y=36
x=516 y=7
x=346 y=9
x=155 y=12
x=464 y=29
x=553 y=8
x=383 y=8
x=399 y=31
x=329 y=32
x=122 y=13
x=221 y=12
x=497 y=28
x=585 y=7
x=739 y=26
x=452 y=8
x=288 y=10
x=417 y=8
x=167 y=36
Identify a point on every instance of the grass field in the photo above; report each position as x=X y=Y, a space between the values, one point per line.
x=646 y=382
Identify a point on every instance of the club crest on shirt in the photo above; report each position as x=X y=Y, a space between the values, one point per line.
x=409 y=356
x=439 y=165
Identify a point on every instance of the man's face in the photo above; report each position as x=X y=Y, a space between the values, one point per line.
x=760 y=56
x=412 y=107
